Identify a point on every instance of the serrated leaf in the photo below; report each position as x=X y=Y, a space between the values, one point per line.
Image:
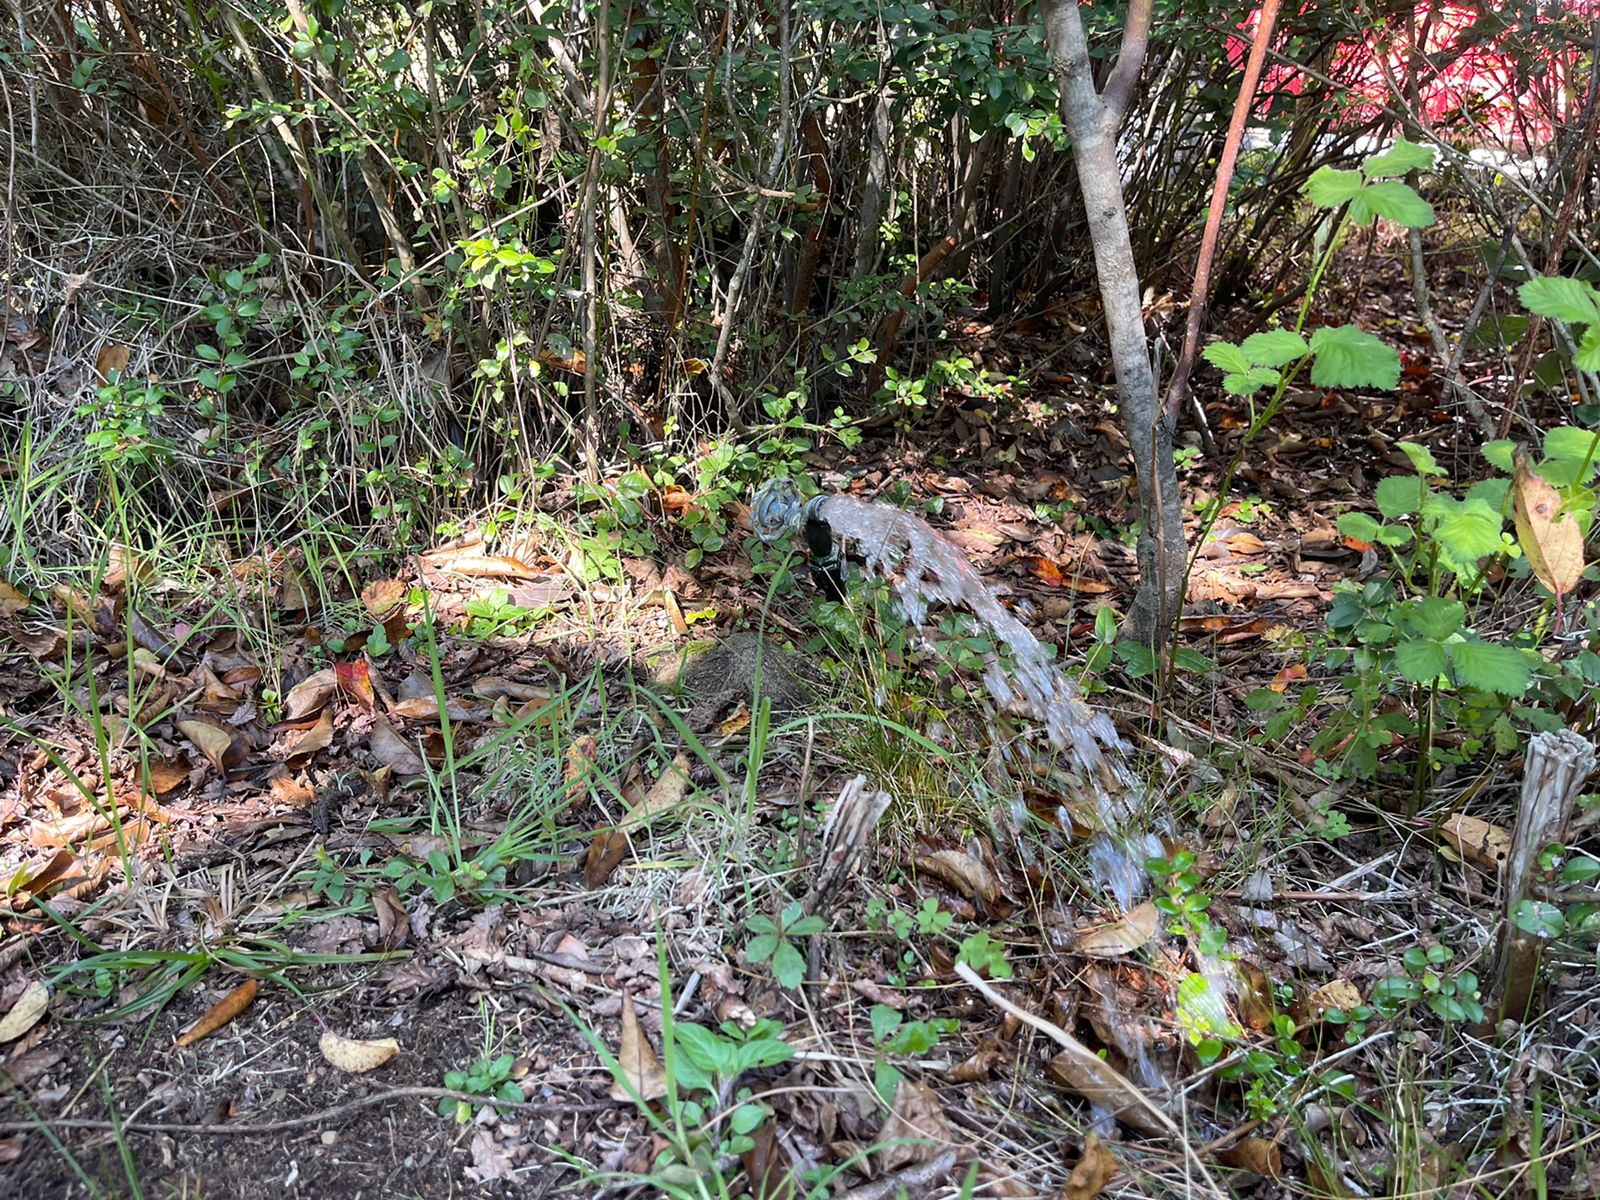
x=1572 y=444
x=1569 y=300
x=1466 y=532
x=1419 y=660
x=1399 y=495
x=1491 y=491
x=1504 y=670
x=1393 y=201
x=1250 y=382
x=1274 y=348
x=1436 y=617
x=788 y=968
x=1393 y=535
x=1347 y=357
x=1421 y=458
x=1227 y=357
x=1359 y=526
x=1588 y=356
x=1399 y=158
x=1330 y=187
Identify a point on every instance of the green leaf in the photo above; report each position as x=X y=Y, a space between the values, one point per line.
x=1394 y=201
x=761 y=948
x=788 y=968
x=1359 y=526
x=885 y=1021
x=1569 y=300
x=1330 y=187
x=1399 y=495
x=1572 y=444
x=806 y=926
x=1225 y=356
x=1421 y=458
x=1538 y=918
x=1274 y=348
x=1436 y=617
x=1348 y=357
x=1393 y=535
x=1581 y=869
x=1399 y=158
x=1466 y=531
x=1250 y=382
x=1588 y=356
x=1419 y=660
x=1504 y=670
x=746 y=1118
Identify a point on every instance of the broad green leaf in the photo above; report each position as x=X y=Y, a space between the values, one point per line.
x=1225 y=356
x=1399 y=158
x=1399 y=495
x=885 y=1021
x=1491 y=491
x=1499 y=454
x=1504 y=670
x=1421 y=458
x=1539 y=918
x=1274 y=348
x=1580 y=869
x=1436 y=617
x=1330 y=187
x=788 y=968
x=1250 y=382
x=1393 y=201
x=761 y=948
x=1359 y=526
x=1419 y=660
x=1393 y=535
x=1569 y=300
x=1466 y=532
x=1588 y=356
x=1571 y=443
x=1348 y=357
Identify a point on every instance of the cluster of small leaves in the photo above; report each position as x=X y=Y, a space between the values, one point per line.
x=1453 y=996
x=892 y=1034
x=772 y=942
x=489 y=1078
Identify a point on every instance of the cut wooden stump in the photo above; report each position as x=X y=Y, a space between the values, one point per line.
x=1556 y=768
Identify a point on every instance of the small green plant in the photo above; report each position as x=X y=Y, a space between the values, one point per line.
x=489 y=1078
x=1185 y=905
x=1452 y=996
x=493 y=614
x=893 y=1035
x=473 y=880
x=985 y=956
x=772 y=942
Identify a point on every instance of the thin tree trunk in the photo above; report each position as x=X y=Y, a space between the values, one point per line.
x=1092 y=119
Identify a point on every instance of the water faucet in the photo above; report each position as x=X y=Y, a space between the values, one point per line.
x=777 y=510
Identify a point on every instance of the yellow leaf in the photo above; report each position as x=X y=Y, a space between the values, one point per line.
x=643 y=1076
x=25 y=1013
x=1549 y=537
x=355 y=1056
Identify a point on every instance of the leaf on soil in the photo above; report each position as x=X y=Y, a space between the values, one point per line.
x=1549 y=537
x=1337 y=993
x=212 y=740
x=605 y=853
x=1259 y=1156
x=1475 y=840
x=12 y=600
x=354 y=1057
x=1099 y=1083
x=318 y=737
x=382 y=596
x=310 y=694
x=113 y=356
x=293 y=595
x=980 y=1064
x=1094 y=1170
x=391 y=750
x=122 y=564
x=963 y=872
x=219 y=1014
x=26 y=1012
x=1122 y=936
x=916 y=1130
x=486 y=566
x=490 y=1160
x=355 y=681
x=394 y=923
x=24 y=887
x=666 y=793
x=637 y=1062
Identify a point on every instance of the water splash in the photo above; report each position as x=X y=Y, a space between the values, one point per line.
x=925 y=568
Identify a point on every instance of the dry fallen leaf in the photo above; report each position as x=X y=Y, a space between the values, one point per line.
x=637 y=1061
x=1093 y=1172
x=112 y=357
x=666 y=793
x=1337 y=993
x=391 y=750
x=1549 y=537
x=963 y=872
x=382 y=596
x=348 y=1054
x=25 y=1013
x=1259 y=1156
x=310 y=694
x=12 y=600
x=212 y=740
x=1475 y=840
x=916 y=1130
x=219 y=1014
x=1122 y=936
x=1099 y=1083
x=605 y=853
x=318 y=737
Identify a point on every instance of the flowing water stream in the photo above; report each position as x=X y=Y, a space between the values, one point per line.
x=925 y=568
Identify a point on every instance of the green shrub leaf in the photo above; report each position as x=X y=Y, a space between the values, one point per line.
x=1504 y=670
x=1348 y=357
